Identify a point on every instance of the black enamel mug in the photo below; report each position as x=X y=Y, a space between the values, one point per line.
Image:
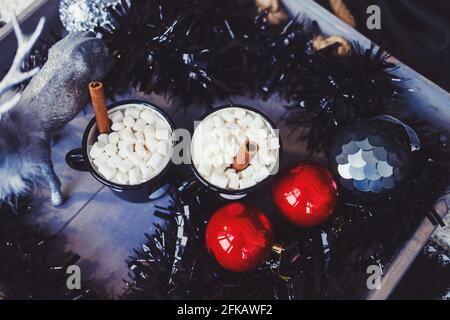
x=78 y=159
x=197 y=183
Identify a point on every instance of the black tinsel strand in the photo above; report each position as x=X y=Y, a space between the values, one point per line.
x=182 y=48
x=340 y=91
x=27 y=269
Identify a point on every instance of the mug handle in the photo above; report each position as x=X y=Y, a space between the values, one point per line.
x=75 y=160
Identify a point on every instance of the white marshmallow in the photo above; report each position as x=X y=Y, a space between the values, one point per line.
x=156 y=161
x=233 y=181
x=244 y=122
x=217 y=161
x=274 y=154
x=103 y=138
x=263 y=134
x=219 y=180
x=251 y=134
x=207 y=125
x=237 y=131
x=241 y=139
x=162 y=134
x=128 y=121
x=149 y=131
x=107 y=172
x=228 y=159
x=262 y=144
x=265 y=158
x=239 y=113
x=133 y=113
x=247 y=182
x=110 y=149
x=260 y=173
x=139 y=125
x=151 y=144
x=127 y=163
x=204 y=169
x=140 y=138
x=222 y=143
x=101 y=160
x=123 y=153
x=103 y=157
x=141 y=151
x=227 y=116
x=114 y=161
x=123 y=167
x=121 y=178
x=207 y=137
x=134 y=175
x=126 y=131
x=254 y=161
x=161 y=124
x=274 y=143
x=211 y=148
x=218 y=121
x=230 y=172
x=149 y=116
x=147 y=158
x=116 y=116
x=232 y=147
x=129 y=148
x=127 y=135
x=135 y=158
x=163 y=148
x=222 y=132
x=257 y=123
x=113 y=137
x=232 y=126
x=206 y=157
x=147 y=173
x=247 y=172
x=117 y=126
x=97 y=149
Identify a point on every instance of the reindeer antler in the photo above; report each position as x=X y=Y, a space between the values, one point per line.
x=15 y=74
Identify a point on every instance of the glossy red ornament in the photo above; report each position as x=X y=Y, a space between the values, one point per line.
x=306 y=195
x=239 y=236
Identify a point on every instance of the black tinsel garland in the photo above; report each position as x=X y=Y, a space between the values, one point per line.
x=342 y=90
x=326 y=262
x=185 y=48
x=27 y=269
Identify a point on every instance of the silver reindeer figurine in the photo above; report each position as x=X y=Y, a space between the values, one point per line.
x=55 y=95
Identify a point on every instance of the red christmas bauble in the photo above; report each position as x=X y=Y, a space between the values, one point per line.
x=239 y=236
x=306 y=195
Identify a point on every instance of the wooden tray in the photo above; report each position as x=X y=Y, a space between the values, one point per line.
x=103 y=230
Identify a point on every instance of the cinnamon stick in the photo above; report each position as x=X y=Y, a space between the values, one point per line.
x=246 y=153
x=98 y=99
